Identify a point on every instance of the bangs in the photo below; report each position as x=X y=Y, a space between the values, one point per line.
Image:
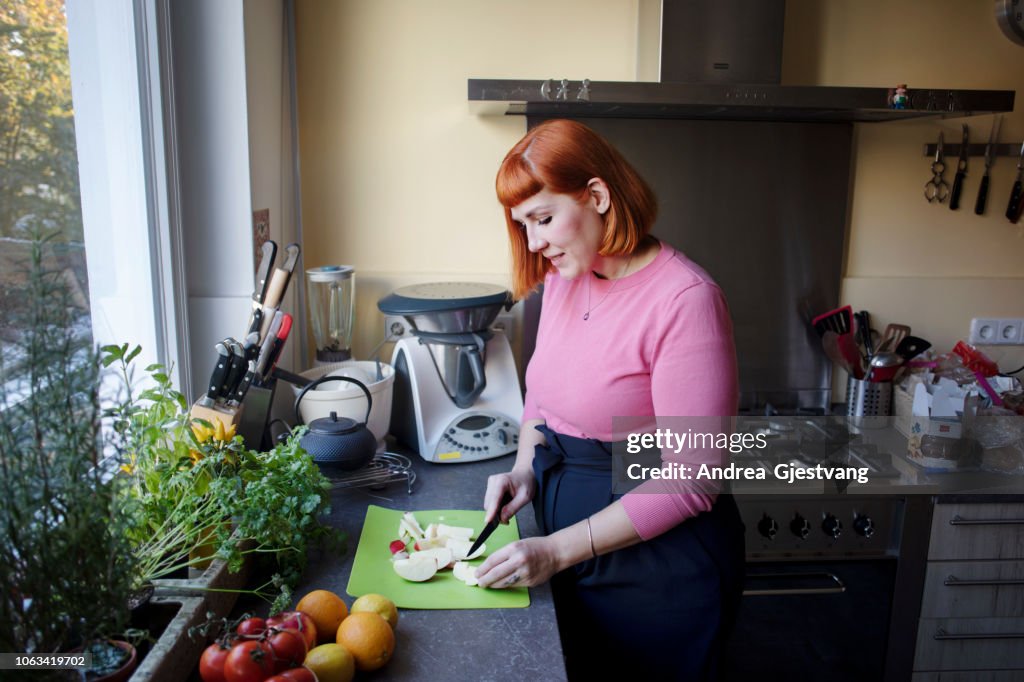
x=516 y=181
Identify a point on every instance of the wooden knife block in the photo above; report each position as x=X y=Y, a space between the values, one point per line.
x=228 y=416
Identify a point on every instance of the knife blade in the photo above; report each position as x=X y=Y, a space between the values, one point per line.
x=269 y=251
x=219 y=374
x=491 y=525
x=282 y=275
x=243 y=387
x=979 y=203
x=961 y=173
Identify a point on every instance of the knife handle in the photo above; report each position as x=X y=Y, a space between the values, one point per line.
x=219 y=374
x=979 y=203
x=1013 y=208
x=954 y=195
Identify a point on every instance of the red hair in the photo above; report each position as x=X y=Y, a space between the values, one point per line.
x=563 y=156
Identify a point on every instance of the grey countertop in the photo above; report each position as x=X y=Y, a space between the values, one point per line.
x=472 y=644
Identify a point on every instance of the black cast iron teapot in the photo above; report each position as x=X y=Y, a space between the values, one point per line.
x=336 y=441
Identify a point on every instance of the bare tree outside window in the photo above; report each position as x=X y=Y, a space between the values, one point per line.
x=39 y=192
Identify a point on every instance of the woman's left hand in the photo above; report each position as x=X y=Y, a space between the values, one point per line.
x=524 y=563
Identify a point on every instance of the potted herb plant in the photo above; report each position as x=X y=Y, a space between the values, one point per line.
x=68 y=566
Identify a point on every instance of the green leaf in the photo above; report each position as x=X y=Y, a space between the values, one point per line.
x=135 y=352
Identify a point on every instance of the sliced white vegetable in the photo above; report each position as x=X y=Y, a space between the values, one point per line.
x=460 y=549
x=466 y=573
x=431 y=543
x=460 y=532
x=431 y=532
x=416 y=570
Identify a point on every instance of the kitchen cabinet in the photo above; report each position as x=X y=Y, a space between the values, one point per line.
x=971 y=624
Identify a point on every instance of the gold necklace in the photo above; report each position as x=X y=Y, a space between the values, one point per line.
x=586 y=315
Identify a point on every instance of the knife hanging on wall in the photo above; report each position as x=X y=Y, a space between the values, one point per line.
x=979 y=203
x=1014 y=208
x=961 y=173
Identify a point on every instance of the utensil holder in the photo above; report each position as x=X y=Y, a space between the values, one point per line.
x=868 y=403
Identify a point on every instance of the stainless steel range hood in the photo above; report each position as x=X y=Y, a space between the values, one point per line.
x=721 y=59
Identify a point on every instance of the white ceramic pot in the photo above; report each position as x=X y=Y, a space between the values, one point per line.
x=347 y=399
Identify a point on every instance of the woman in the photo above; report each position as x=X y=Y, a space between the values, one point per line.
x=645 y=583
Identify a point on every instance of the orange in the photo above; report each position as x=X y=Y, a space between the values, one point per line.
x=327 y=611
x=369 y=637
x=377 y=603
x=331 y=663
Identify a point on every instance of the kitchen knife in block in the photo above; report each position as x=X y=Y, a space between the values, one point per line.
x=219 y=374
x=278 y=286
x=491 y=525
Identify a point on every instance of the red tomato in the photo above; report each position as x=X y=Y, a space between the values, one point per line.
x=252 y=627
x=288 y=649
x=298 y=675
x=211 y=663
x=249 y=661
x=295 y=620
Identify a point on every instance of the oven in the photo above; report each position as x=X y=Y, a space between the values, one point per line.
x=833 y=578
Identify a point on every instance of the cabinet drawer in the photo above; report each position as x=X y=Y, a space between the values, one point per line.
x=977 y=531
x=969 y=644
x=970 y=676
x=973 y=589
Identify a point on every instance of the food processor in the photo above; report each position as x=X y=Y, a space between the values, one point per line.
x=331 y=293
x=456 y=396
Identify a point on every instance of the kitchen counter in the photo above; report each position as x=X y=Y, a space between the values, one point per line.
x=475 y=644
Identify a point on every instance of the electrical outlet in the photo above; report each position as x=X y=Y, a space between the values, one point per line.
x=395 y=327
x=997 y=332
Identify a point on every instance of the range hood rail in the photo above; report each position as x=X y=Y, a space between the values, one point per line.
x=620 y=99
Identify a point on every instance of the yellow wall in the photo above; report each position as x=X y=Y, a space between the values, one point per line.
x=397 y=175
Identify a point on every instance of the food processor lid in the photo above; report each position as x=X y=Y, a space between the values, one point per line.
x=330 y=273
x=333 y=425
x=438 y=296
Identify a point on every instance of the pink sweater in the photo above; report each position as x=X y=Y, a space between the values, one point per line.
x=658 y=343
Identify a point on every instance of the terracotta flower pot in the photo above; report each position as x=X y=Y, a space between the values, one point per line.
x=126 y=669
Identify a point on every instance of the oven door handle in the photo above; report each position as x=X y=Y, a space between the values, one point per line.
x=953 y=581
x=960 y=521
x=833 y=585
x=941 y=634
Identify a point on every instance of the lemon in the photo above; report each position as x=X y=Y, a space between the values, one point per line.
x=378 y=604
x=331 y=663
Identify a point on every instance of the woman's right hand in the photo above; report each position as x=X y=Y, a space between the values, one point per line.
x=520 y=486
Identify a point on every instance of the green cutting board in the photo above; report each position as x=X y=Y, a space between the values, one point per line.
x=372 y=571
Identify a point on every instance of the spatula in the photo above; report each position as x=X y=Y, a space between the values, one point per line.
x=839 y=320
x=894 y=333
x=912 y=346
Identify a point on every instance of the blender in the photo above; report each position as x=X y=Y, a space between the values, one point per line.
x=331 y=290
x=457 y=396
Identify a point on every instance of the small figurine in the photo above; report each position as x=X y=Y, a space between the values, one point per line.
x=899 y=98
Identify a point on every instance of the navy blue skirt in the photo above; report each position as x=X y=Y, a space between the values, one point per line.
x=661 y=609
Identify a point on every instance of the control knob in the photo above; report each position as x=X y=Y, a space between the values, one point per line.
x=832 y=526
x=864 y=525
x=502 y=436
x=767 y=527
x=800 y=526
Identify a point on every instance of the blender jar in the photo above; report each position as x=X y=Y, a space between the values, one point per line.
x=331 y=290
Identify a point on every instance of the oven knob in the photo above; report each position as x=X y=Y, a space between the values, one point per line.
x=832 y=526
x=800 y=526
x=502 y=436
x=767 y=527
x=864 y=525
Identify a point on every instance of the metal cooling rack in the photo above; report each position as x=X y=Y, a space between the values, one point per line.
x=384 y=468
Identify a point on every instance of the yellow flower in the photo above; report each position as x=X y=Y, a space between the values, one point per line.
x=217 y=432
x=195 y=456
x=203 y=433
x=222 y=434
x=129 y=468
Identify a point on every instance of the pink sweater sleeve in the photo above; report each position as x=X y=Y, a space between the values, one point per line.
x=693 y=374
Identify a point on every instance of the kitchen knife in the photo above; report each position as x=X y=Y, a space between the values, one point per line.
x=269 y=251
x=979 y=203
x=275 y=351
x=282 y=275
x=236 y=369
x=252 y=345
x=243 y=387
x=268 y=343
x=219 y=374
x=961 y=173
x=1013 y=209
x=491 y=525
